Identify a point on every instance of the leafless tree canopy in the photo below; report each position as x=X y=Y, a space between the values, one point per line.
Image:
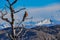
x=12 y=11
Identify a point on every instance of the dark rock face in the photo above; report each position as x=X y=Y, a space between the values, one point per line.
x=36 y=33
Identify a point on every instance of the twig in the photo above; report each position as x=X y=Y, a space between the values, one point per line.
x=2 y=17
x=19 y=10
x=13 y=2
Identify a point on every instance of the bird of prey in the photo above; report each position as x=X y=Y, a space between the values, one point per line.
x=25 y=15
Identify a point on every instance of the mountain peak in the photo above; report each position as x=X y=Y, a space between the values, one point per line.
x=44 y=22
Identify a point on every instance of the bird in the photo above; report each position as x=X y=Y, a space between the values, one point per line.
x=25 y=15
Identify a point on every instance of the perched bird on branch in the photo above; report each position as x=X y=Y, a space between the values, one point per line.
x=25 y=15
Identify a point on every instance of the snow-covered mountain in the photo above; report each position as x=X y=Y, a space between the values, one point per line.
x=31 y=24
x=4 y=25
x=44 y=22
x=48 y=22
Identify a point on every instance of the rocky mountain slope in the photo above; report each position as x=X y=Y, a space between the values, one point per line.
x=36 y=33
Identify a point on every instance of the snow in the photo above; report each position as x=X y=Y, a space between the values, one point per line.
x=44 y=22
x=4 y=25
x=30 y=24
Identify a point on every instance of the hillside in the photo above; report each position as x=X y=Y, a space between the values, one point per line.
x=36 y=33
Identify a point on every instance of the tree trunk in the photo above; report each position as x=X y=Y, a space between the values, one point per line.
x=12 y=23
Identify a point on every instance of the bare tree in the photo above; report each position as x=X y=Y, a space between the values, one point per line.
x=12 y=11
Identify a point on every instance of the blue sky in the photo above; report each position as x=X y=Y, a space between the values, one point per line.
x=36 y=3
x=38 y=8
x=31 y=3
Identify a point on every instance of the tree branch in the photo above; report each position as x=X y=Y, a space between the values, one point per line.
x=7 y=6
x=13 y=2
x=4 y=18
x=19 y=32
x=25 y=32
x=19 y=10
x=9 y=36
x=8 y=2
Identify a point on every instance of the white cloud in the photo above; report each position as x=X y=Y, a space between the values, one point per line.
x=40 y=13
x=46 y=8
x=45 y=12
